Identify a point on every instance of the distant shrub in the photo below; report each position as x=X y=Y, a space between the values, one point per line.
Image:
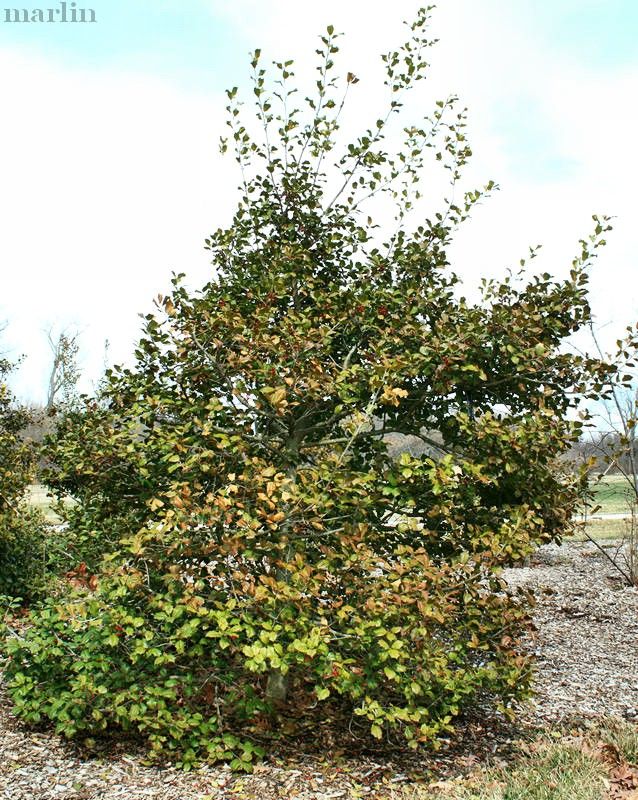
x=23 y=538
x=21 y=554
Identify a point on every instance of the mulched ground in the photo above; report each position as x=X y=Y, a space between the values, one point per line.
x=587 y=646
x=587 y=651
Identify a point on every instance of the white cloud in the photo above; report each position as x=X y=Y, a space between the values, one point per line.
x=109 y=182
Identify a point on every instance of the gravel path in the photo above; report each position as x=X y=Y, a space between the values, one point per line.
x=587 y=651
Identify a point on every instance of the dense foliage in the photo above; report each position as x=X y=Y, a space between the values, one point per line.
x=23 y=541
x=271 y=561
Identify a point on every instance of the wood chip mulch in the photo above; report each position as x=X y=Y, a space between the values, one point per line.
x=587 y=639
x=587 y=652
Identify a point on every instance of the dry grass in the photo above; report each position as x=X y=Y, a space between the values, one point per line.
x=560 y=766
x=613 y=494
x=601 y=529
x=549 y=771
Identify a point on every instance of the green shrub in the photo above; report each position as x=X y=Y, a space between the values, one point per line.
x=23 y=539
x=188 y=666
x=24 y=567
x=98 y=458
x=276 y=562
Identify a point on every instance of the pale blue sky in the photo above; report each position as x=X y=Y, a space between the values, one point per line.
x=110 y=178
x=190 y=39
x=179 y=39
x=600 y=32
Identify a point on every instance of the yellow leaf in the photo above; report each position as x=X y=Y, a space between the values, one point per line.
x=278 y=397
x=393 y=396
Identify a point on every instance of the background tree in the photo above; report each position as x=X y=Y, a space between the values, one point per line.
x=276 y=559
x=612 y=448
x=65 y=373
x=62 y=392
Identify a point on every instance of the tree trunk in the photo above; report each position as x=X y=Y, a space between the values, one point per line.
x=277 y=687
